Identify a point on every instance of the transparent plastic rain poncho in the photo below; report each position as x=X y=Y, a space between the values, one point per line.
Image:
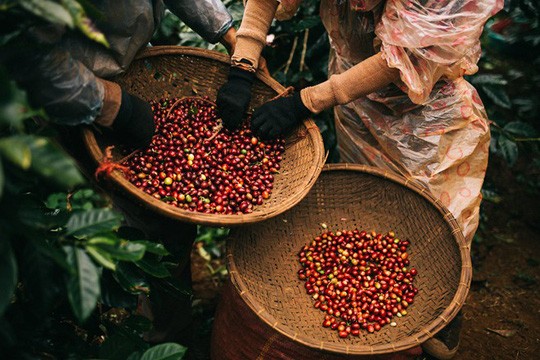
x=61 y=76
x=431 y=126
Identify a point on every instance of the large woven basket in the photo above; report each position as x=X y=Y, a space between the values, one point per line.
x=263 y=259
x=174 y=71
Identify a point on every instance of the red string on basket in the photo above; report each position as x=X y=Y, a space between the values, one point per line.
x=107 y=166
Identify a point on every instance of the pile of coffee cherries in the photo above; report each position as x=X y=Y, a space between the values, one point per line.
x=196 y=164
x=360 y=279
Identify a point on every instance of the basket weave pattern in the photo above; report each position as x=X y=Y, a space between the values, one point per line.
x=263 y=259
x=173 y=71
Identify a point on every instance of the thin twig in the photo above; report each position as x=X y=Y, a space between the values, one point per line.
x=216 y=129
x=289 y=90
x=304 y=49
x=291 y=55
x=127 y=157
x=172 y=107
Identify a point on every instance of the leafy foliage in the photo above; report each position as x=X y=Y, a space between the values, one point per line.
x=70 y=273
x=508 y=84
x=68 y=13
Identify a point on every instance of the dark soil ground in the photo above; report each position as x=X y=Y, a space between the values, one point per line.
x=502 y=311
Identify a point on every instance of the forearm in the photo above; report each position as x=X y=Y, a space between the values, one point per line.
x=208 y=18
x=229 y=40
x=251 y=36
x=362 y=79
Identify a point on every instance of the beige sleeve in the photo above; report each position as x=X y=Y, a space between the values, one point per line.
x=362 y=79
x=251 y=36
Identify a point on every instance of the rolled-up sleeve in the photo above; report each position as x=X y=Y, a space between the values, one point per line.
x=208 y=18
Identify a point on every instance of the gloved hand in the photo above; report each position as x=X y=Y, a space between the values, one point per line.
x=233 y=97
x=134 y=125
x=279 y=116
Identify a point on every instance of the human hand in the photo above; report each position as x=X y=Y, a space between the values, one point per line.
x=279 y=116
x=233 y=98
x=134 y=125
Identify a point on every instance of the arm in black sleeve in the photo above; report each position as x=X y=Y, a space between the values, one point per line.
x=64 y=87
x=208 y=18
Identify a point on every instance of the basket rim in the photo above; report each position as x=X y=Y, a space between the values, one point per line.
x=309 y=130
x=410 y=341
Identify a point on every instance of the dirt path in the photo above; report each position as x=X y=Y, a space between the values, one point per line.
x=502 y=312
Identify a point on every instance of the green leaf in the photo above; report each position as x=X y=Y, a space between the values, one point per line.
x=57 y=201
x=135 y=356
x=508 y=149
x=55 y=254
x=16 y=149
x=498 y=95
x=83 y=22
x=32 y=213
x=153 y=267
x=118 y=248
x=14 y=106
x=83 y=286
x=152 y=247
x=8 y=273
x=48 y=10
x=50 y=162
x=91 y=222
x=113 y=295
x=102 y=257
x=85 y=199
x=44 y=158
x=2 y=179
x=167 y=351
x=520 y=129
x=42 y=280
x=131 y=278
x=121 y=345
x=488 y=79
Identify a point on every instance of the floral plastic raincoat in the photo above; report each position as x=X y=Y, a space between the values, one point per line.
x=431 y=126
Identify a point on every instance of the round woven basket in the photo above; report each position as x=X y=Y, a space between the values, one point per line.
x=174 y=71
x=263 y=260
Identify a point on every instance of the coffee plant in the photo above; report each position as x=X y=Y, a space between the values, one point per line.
x=509 y=80
x=70 y=272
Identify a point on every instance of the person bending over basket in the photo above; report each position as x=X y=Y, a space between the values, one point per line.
x=65 y=74
x=396 y=85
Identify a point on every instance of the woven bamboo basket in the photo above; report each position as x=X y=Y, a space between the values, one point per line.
x=263 y=261
x=174 y=71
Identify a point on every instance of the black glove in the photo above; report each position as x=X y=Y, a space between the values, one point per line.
x=134 y=125
x=233 y=97
x=279 y=116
